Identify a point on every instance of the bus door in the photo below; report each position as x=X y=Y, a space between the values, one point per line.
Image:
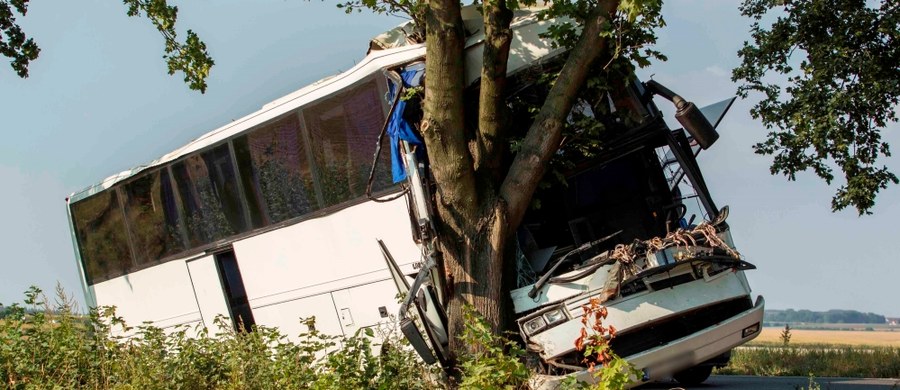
x=233 y=288
x=219 y=290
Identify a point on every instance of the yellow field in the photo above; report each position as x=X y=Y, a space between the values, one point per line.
x=839 y=337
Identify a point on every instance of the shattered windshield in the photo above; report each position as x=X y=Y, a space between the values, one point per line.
x=635 y=200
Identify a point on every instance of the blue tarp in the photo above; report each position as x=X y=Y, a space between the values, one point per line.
x=398 y=128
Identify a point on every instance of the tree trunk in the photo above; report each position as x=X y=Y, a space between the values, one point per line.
x=476 y=216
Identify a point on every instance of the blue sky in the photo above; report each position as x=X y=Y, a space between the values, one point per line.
x=99 y=101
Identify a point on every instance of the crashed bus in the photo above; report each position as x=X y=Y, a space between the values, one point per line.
x=285 y=214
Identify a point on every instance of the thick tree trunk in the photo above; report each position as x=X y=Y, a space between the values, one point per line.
x=476 y=216
x=476 y=265
x=460 y=215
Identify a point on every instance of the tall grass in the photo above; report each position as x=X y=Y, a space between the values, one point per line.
x=818 y=359
x=51 y=347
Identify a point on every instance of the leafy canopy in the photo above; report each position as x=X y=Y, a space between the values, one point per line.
x=189 y=57
x=14 y=45
x=841 y=60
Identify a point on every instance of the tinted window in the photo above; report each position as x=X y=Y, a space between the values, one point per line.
x=102 y=238
x=153 y=217
x=275 y=172
x=343 y=130
x=233 y=283
x=210 y=196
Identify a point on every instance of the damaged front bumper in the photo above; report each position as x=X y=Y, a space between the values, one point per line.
x=688 y=351
x=685 y=307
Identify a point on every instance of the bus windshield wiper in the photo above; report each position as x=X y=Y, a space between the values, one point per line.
x=581 y=249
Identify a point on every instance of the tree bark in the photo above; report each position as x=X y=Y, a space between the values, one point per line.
x=443 y=124
x=476 y=215
x=492 y=111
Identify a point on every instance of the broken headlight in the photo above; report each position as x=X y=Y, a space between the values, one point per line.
x=555 y=316
x=544 y=320
x=534 y=325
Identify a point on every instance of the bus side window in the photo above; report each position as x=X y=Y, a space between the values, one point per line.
x=153 y=218
x=210 y=196
x=100 y=228
x=343 y=130
x=275 y=172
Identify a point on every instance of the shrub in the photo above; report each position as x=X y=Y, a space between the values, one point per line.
x=44 y=346
x=615 y=373
x=495 y=361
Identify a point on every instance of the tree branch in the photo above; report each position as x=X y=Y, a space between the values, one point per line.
x=545 y=134
x=190 y=57
x=492 y=102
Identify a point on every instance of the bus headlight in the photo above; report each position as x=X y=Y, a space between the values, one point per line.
x=544 y=320
x=554 y=316
x=534 y=325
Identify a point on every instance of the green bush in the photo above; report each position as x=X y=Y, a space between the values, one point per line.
x=49 y=346
x=495 y=361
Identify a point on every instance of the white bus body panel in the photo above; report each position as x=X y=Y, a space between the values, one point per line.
x=324 y=254
x=208 y=291
x=314 y=268
x=286 y=316
x=162 y=295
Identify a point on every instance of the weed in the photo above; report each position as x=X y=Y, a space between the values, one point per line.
x=786 y=335
x=614 y=373
x=46 y=345
x=812 y=385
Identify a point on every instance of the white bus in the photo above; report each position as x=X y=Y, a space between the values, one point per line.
x=268 y=219
x=264 y=219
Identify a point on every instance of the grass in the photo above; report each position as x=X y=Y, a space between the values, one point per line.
x=826 y=353
x=817 y=359
x=831 y=337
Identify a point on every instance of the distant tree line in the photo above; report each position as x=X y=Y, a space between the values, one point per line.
x=819 y=317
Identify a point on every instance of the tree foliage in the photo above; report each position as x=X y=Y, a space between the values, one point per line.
x=841 y=62
x=826 y=317
x=14 y=44
x=189 y=56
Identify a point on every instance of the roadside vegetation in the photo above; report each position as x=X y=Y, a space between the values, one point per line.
x=786 y=357
x=823 y=317
x=47 y=344
x=819 y=359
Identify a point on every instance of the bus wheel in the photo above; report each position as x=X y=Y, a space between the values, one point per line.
x=694 y=375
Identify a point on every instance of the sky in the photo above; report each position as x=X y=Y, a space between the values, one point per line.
x=99 y=101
